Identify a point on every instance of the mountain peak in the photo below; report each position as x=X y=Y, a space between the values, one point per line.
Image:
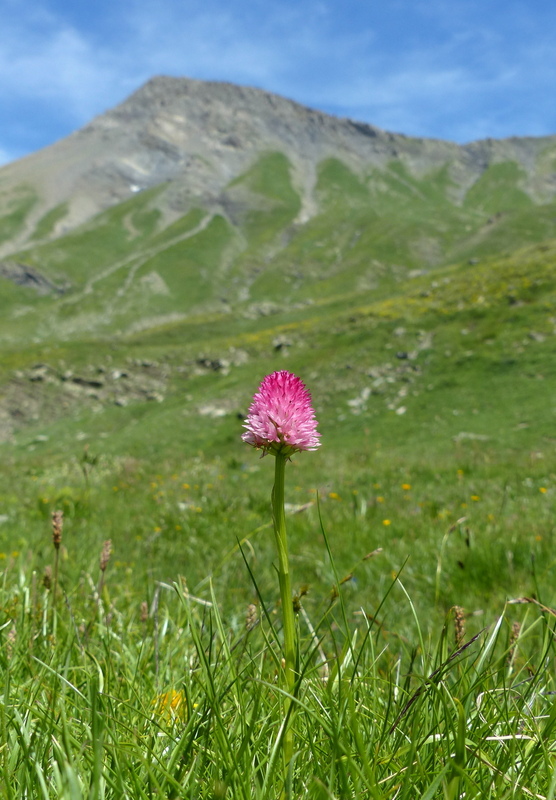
x=201 y=135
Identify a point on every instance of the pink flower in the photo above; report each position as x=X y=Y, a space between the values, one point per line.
x=281 y=418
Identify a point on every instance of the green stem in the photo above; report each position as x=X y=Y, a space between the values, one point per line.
x=288 y=618
x=55 y=592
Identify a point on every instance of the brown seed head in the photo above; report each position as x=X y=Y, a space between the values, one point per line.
x=57 y=525
x=10 y=641
x=516 y=630
x=251 y=617
x=459 y=625
x=105 y=554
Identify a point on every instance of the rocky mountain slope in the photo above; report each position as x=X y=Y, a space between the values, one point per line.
x=199 y=136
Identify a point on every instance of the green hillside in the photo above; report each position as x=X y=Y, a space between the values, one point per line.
x=367 y=233
x=423 y=324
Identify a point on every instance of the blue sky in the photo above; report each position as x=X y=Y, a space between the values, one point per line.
x=449 y=69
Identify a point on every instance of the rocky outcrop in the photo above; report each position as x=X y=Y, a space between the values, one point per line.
x=28 y=277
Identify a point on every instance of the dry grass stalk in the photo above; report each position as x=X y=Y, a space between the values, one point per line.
x=57 y=525
x=105 y=555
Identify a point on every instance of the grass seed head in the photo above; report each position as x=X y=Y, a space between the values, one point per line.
x=252 y=617
x=459 y=625
x=10 y=641
x=105 y=554
x=57 y=525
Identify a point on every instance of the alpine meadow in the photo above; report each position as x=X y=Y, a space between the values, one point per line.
x=159 y=640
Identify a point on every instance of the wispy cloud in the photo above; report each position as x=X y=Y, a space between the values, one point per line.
x=47 y=74
x=472 y=83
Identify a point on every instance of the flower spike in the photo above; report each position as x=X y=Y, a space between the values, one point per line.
x=281 y=418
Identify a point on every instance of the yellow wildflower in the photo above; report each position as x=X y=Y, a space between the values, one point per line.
x=172 y=705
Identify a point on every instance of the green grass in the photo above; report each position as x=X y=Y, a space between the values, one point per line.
x=137 y=688
x=13 y=295
x=47 y=223
x=269 y=181
x=114 y=234
x=14 y=209
x=267 y=206
x=435 y=487
x=183 y=225
x=339 y=187
x=497 y=190
x=188 y=267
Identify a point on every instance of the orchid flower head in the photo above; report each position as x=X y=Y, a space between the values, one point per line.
x=281 y=418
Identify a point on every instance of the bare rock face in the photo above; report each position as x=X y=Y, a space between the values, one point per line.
x=198 y=136
x=29 y=277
